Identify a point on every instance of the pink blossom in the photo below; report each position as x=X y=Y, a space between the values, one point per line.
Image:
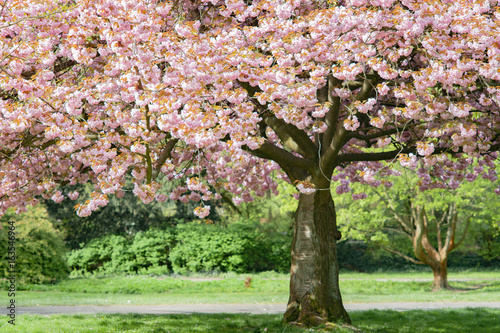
x=351 y=123
x=194 y=197
x=453 y=184
x=202 y=211
x=470 y=177
x=16 y=66
x=73 y=195
x=409 y=161
x=57 y=197
x=138 y=148
x=377 y=122
x=305 y=188
x=425 y=148
x=383 y=89
x=237 y=200
x=343 y=187
x=459 y=110
x=366 y=106
x=383 y=142
x=367 y=175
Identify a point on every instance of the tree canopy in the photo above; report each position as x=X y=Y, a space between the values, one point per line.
x=93 y=89
x=226 y=91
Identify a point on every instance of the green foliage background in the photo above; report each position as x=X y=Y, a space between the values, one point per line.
x=40 y=251
x=370 y=224
x=190 y=247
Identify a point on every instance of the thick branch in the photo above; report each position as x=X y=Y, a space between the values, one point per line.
x=366 y=89
x=294 y=166
x=227 y=199
x=418 y=262
x=376 y=135
x=381 y=156
x=418 y=219
x=164 y=156
x=332 y=116
x=340 y=137
x=450 y=233
x=433 y=253
x=292 y=137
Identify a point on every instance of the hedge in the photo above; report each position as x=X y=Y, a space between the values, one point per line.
x=190 y=247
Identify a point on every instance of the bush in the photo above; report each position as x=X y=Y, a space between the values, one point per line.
x=150 y=249
x=279 y=253
x=39 y=248
x=102 y=254
x=236 y=248
x=191 y=247
x=117 y=254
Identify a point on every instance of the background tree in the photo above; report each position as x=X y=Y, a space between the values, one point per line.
x=39 y=248
x=436 y=222
x=224 y=92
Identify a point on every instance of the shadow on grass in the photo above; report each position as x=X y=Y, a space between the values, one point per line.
x=375 y=321
x=487 y=286
x=181 y=323
x=468 y=320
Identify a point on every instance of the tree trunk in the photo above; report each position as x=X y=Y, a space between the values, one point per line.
x=314 y=276
x=440 y=270
x=437 y=260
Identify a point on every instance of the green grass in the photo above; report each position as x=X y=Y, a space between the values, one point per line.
x=426 y=273
x=31 y=298
x=478 y=320
x=433 y=321
x=265 y=288
x=367 y=291
x=149 y=323
x=147 y=284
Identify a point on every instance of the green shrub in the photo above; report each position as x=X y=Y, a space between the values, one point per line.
x=117 y=254
x=150 y=249
x=39 y=248
x=235 y=248
x=190 y=247
x=102 y=254
x=279 y=253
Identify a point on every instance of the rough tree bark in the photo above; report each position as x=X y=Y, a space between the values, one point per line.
x=314 y=280
x=440 y=270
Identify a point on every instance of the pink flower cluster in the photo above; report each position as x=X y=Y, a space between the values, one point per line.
x=96 y=90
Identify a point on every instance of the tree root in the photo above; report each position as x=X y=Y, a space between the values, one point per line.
x=327 y=326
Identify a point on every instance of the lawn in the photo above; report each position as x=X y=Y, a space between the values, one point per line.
x=432 y=321
x=265 y=288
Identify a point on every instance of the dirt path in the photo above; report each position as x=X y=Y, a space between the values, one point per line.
x=238 y=308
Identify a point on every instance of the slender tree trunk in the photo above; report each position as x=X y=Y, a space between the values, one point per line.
x=440 y=270
x=314 y=277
